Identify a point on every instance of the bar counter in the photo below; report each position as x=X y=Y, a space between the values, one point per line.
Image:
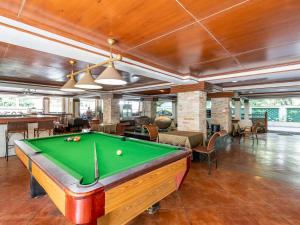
x=32 y=121
x=27 y=118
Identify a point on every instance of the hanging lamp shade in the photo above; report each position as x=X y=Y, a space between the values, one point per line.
x=110 y=76
x=70 y=86
x=87 y=81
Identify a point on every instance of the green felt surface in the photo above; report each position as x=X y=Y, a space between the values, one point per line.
x=77 y=158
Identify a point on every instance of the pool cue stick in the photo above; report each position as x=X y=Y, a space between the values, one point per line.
x=96 y=162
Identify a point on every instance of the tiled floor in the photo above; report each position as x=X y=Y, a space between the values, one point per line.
x=255 y=184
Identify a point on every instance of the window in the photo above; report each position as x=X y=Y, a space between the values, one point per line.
x=273 y=113
x=87 y=104
x=284 y=109
x=56 y=104
x=164 y=108
x=130 y=108
x=293 y=114
x=208 y=109
x=14 y=104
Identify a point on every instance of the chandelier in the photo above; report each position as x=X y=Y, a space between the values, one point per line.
x=110 y=76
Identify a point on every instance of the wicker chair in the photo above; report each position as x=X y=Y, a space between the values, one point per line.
x=120 y=129
x=153 y=132
x=14 y=128
x=209 y=150
x=47 y=125
x=249 y=133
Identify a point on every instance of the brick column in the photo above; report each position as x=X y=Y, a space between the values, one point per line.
x=221 y=113
x=97 y=103
x=76 y=107
x=64 y=106
x=283 y=114
x=237 y=104
x=46 y=105
x=68 y=105
x=174 y=111
x=111 y=109
x=97 y=107
x=149 y=107
x=191 y=111
x=246 y=109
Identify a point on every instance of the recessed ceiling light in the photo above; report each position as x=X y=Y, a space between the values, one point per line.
x=234 y=81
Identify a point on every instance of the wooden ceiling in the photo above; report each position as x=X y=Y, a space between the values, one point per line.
x=24 y=65
x=190 y=37
x=164 y=91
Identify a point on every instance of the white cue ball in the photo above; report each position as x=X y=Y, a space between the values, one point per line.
x=119 y=152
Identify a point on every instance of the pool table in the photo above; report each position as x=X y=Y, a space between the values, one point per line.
x=128 y=184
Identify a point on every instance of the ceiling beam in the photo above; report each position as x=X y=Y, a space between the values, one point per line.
x=262 y=86
x=284 y=67
x=213 y=87
x=220 y=95
x=200 y=86
x=272 y=94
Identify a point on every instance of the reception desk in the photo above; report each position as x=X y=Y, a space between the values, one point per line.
x=32 y=121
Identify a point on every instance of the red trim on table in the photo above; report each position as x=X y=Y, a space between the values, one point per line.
x=86 y=208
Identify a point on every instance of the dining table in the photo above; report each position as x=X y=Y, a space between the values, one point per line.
x=188 y=139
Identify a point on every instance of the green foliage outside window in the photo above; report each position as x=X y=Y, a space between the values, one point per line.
x=293 y=115
x=274 y=102
x=14 y=104
x=8 y=101
x=273 y=113
x=164 y=108
x=26 y=102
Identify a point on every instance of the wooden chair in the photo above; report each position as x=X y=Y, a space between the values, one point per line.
x=249 y=133
x=254 y=133
x=47 y=125
x=209 y=150
x=14 y=128
x=120 y=128
x=153 y=132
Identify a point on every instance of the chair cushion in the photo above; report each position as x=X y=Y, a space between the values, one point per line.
x=201 y=148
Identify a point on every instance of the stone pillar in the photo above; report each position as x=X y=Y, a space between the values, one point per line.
x=97 y=107
x=68 y=105
x=46 y=105
x=64 y=106
x=111 y=109
x=149 y=108
x=191 y=112
x=174 y=111
x=283 y=114
x=246 y=109
x=97 y=103
x=237 y=107
x=76 y=107
x=221 y=113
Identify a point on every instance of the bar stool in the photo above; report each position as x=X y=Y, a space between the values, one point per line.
x=47 y=125
x=14 y=128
